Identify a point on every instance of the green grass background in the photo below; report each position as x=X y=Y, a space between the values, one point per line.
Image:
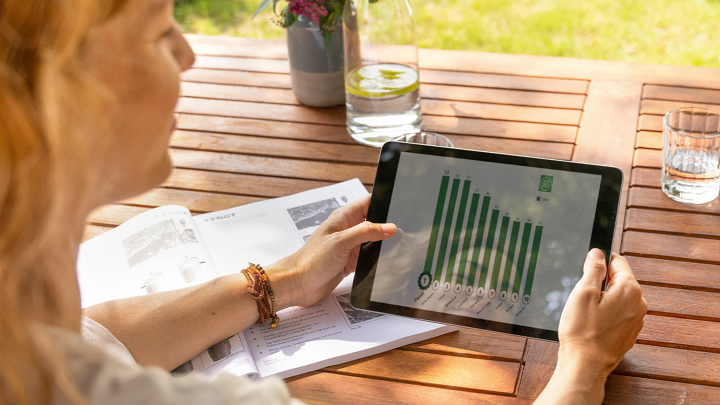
x=681 y=32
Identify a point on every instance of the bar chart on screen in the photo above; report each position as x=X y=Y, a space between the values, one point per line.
x=477 y=248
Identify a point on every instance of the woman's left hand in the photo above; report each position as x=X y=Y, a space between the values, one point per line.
x=328 y=256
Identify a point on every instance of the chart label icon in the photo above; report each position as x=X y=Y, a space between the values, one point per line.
x=545 y=184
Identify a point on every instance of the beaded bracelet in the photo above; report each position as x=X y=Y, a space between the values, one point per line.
x=259 y=288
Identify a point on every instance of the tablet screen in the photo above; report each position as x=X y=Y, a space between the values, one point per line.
x=491 y=241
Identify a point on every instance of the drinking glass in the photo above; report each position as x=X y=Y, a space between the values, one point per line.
x=691 y=151
x=426 y=138
x=382 y=81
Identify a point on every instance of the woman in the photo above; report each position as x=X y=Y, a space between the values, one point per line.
x=87 y=92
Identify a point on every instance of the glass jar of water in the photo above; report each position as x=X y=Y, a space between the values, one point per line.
x=382 y=86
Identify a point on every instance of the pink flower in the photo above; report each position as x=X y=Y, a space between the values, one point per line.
x=312 y=9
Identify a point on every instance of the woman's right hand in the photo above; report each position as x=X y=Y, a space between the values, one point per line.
x=596 y=329
x=601 y=326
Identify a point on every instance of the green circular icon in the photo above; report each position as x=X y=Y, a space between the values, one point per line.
x=424 y=280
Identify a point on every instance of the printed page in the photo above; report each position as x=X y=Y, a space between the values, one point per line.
x=269 y=230
x=331 y=332
x=228 y=356
x=159 y=250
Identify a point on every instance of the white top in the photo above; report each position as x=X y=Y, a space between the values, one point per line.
x=106 y=374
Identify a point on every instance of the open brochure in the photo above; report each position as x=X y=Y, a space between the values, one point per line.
x=167 y=248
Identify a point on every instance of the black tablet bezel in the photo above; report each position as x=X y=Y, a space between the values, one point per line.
x=602 y=234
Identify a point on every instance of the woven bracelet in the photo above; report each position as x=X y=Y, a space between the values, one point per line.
x=259 y=288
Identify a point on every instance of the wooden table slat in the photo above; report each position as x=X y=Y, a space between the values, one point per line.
x=293 y=168
x=273 y=129
x=682 y=333
x=243 y=64
x=677 y=301
x=199 y=201
x=442 y=91
x=622 y=390
x=338 y=389
x=646 y=177
x=655 y=198
x=237 y=78
x=275 y=112
x=253 y=145
x=682 y=247
x=548 y=150
x=648 y=158
x=114 y=214
x=690 y=224
x=683 y=94
x=648 y=122
x=92 y=231
x=674 y=273
x=649 y=140
x=503 y=129
x=234 y=46
x=473 y=79
x=238 y=93
x=436 y=370
x=672 y=363
x=660 y=107
x=501 y=112
x=241 y=184
x=474 y=343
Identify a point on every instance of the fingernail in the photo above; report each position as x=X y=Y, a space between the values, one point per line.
x=596 y=254
x=388 y=228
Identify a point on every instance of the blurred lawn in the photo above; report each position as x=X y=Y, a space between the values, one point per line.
x=678 y=32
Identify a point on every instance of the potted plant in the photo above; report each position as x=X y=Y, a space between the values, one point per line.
x=315 y=48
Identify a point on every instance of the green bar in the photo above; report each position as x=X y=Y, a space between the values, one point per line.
x=446 y=229
x=439 y=206
x=458 y=230
x=489 y=247
x=521 y=257
x=478 y=239
x=533 y=259
x=511 y=255
x=468 y=236
x=499 y=252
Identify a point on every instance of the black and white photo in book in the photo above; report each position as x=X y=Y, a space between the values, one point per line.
x=313 y=214
x=220 y=350
x=354 y=316
x=155 y=239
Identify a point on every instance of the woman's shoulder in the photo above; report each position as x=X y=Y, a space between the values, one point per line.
x=105 y=373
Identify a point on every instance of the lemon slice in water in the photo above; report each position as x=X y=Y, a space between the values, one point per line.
x=382 y=80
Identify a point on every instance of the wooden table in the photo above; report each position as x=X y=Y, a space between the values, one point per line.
x=243 y=137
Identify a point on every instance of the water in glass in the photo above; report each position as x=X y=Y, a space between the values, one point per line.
x=690 y=175
x=691 y=155
x=383 y=102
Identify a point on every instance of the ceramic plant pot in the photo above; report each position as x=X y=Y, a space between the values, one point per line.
x=316 y=71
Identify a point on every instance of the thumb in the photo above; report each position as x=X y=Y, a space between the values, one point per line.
x=594 y=270
x=365 y=232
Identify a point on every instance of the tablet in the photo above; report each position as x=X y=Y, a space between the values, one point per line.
x=485 y=240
